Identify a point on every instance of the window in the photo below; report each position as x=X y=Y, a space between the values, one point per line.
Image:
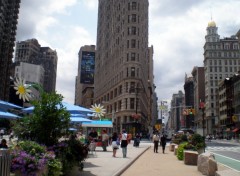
x=133 y=56
x=133 y=71
x=220 y=69
x=134 y=18
x=133 y=43
x=134 y=5
x=226 y=69
x=131 y=103
x=210 y=62
x=134 y=30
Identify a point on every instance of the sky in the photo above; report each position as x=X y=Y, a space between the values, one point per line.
x=177 y=30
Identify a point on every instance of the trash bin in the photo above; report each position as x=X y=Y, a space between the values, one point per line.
x=5 y=161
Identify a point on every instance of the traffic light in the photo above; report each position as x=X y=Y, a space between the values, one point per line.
x=191 y=111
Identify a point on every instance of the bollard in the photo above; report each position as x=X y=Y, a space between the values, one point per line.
x=5 y=161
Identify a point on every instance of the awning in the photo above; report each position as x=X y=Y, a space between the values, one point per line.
x=98 y=124
x=235 y=130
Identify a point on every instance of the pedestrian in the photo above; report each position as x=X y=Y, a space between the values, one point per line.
x=124 y=143
x=155 y=141
x=163 y=142
x=115 y=143
x=1 y=133
x=11 y=135
x=3 y=144
x=136 y=140
x=104 y=140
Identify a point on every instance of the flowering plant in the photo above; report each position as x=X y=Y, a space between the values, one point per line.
x=27 y=164
x=30 y=158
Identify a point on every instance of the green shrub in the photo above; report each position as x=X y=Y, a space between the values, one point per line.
x=184 y=138
x=180 y=150
x=198 y=141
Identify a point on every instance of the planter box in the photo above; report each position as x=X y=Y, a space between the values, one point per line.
x=190 y=157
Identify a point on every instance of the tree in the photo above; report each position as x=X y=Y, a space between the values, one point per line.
x=49 y=122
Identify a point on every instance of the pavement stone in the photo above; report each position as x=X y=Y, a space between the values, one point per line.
x=141 y=161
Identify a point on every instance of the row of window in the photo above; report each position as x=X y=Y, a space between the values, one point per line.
x=223 y=54
x=224 y=46
x=225 y=69
x=226 y=62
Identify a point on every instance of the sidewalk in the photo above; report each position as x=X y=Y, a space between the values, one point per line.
x=103 y=164
x=150 y=163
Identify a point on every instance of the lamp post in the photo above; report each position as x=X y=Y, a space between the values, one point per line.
x=203 y=121
x=136 y=116
x=162 y=106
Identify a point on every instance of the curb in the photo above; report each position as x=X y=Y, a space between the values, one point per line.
x=124 y=168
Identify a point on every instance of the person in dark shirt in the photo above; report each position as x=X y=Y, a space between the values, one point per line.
x=163 y=142
x=93 y=135
x=3 y=144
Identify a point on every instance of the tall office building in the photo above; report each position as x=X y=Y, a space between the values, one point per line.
x=30 y=51
x=84 y=85
x=8 y=25
x=199 y=96
x=122 y=63
x=221 y=60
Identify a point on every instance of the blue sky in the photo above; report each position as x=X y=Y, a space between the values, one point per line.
x=177 y=30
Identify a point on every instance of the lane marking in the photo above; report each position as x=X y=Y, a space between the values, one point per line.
x=227 y=158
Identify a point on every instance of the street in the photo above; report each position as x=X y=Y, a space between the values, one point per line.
x=225 y=152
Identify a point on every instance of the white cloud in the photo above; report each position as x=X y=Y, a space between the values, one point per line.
x=177 y=31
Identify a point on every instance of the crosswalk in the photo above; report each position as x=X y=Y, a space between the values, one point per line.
x=213 y=148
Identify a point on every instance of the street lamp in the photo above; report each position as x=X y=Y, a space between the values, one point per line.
x=136 y=116
x=203 y=120
x=162 y=107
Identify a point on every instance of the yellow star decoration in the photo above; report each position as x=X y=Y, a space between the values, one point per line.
x=22 y=90
x=99 y=111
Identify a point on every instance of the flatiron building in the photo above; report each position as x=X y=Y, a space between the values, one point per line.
x=122 y=83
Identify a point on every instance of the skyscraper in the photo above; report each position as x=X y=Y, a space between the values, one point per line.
x=84 y=87
x=30 y=51
x=122 y=63
x=221 y=60
x=8 y=25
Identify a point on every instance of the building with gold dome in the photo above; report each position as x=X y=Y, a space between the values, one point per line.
x=221 y=60
x=212 y=24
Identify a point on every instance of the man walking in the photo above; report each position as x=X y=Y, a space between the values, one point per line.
x=155 y=141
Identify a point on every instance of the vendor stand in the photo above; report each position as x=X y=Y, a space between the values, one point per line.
x=98 y=126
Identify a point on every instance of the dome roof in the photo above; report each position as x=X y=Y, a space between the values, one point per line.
x=211 y=24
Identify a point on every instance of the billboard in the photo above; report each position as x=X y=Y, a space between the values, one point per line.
x=87 y=67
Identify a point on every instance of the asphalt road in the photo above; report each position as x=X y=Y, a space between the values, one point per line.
x=226 y=153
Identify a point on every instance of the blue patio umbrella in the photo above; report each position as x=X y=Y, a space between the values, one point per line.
x=79 y=119
x=74 y=109
x=8 y=115
x=4 y=106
